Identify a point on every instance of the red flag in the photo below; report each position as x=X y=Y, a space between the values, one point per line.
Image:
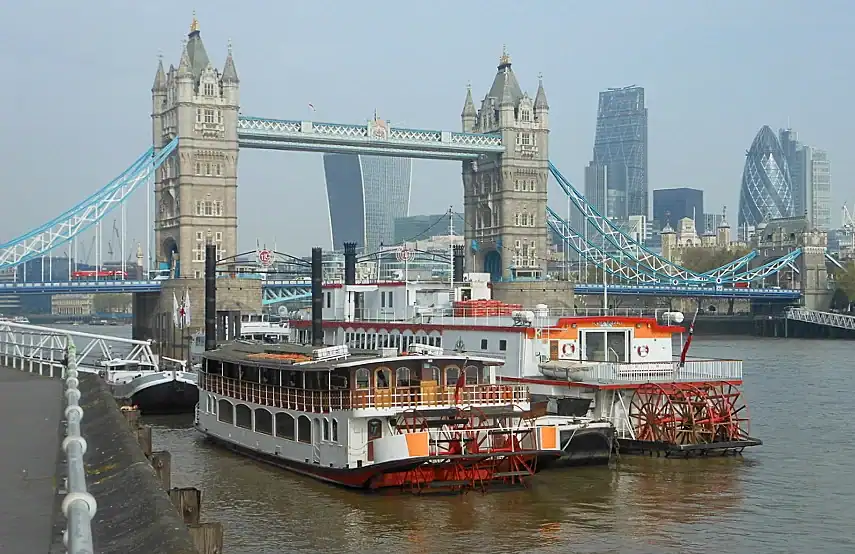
x=688 y=340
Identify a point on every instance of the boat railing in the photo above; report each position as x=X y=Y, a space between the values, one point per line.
x=696 y=370
x=324 y=401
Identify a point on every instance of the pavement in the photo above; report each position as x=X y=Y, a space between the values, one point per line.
x=31 y=409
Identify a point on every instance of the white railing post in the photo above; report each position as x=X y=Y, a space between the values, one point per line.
x=78 y=505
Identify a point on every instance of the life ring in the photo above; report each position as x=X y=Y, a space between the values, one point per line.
x=568 y=349
x=643 y=350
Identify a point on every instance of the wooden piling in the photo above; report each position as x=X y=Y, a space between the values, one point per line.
x=132 y=416
x=143 y=433
x=188 y=502
x=207 y=537
x=161 y=461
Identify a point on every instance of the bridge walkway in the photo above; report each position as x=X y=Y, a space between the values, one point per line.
x=31 y=410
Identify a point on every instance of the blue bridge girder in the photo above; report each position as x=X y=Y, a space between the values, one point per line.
x=273 y=292
x=375 y=138
x=689 y=291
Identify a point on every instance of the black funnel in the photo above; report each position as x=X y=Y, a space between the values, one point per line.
x=459 y=261
x=317 y=297
x=210 y=297
x=350 y=263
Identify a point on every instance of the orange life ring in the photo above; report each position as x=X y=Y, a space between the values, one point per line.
x=643 y=350
x=568 y=349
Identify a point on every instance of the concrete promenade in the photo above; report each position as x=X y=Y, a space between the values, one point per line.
x=30 y=413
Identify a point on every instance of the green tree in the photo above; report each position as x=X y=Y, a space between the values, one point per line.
x=845 y=279
x=706 y=259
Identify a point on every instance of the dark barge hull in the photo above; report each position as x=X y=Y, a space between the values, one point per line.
x=172 y=397
x=668 y=450
x=583 y=447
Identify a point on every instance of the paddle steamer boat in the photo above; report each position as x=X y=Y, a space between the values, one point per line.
x=420 y=421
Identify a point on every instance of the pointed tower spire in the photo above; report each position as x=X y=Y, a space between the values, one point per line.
x=229 y=71
x=507 y=93
x=184 y=68
x=468 y=104
x=159 y=76
x=194 y=25
x=540 y=102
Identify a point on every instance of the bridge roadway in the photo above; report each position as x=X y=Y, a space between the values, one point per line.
x=276 y=291
x=31 y=412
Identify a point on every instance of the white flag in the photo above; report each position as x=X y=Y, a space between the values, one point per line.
x=176 y=316
x=185 y=309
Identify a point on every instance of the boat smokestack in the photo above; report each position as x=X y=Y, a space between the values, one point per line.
x=350 y=263
x=317 y=297
x=210 y=297
x=458 y=263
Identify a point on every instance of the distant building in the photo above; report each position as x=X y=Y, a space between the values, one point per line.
x=9 y=303
x=672 y=205
x=423 y=227
x=766 y=191
x=366 y=194
x=606 y=189
x=620 y=144
x=72 y=304
x=711 y=222
x=810 y=179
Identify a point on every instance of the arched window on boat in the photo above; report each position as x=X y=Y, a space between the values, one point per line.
x=402 y=377
x=430 y=374
x=226 y=412
x=335 y=430
x=263 y=421
x=243 y=416
x=326 y=429
x=452 y=374
x=383 y=376
x=304 y=429
x=284 y=426
x=362 y=378
x=471 y=372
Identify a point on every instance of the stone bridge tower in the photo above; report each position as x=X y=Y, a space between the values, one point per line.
x=196 y=189
x=505 y=195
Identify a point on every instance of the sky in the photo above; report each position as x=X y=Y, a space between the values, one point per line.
x=75 y=101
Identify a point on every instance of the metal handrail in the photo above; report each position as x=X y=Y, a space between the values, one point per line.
x=79 y=505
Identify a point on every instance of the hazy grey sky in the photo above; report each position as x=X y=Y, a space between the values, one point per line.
x=75 y=98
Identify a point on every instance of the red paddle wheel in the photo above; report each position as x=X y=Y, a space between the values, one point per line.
x=689 y=414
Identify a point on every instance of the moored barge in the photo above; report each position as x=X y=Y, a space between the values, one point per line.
x=425 y=421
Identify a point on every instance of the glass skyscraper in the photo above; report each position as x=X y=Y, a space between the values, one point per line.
x=366 y=194
x=766 y=191
x=672 y=205
x=810 y=178
x=620 y=145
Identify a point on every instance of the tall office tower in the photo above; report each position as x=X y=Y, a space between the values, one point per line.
x=810 y=177
x=621 y=141
x=605 y=189
x=366 y=194
x=672 y=205
x=766 y=192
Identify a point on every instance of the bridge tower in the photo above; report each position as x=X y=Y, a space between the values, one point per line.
x=196 y=189
x=505 y=195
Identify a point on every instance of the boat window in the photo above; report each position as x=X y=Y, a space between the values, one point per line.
x=226 y=412
x=402 y=377
x=304 y=429
x=284 y=426
x=263 y=421
x=243 y=416
x=291 y=380
x=362 y=378
x=471 y=372
x=326 y=429
x=430 y=373
x=384 y=377
x=595 y=346
x=452 y=374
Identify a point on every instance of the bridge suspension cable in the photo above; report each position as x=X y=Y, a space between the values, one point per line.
x=84 y=215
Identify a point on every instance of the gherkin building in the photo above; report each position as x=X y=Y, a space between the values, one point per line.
x=766 y=191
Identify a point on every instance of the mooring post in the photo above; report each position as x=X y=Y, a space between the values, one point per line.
x=207 y=537
x=188 y=502
x=132 y=416
x=161 y=461
x=143 y=433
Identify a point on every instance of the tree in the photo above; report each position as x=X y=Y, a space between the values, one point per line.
x=706 y=259
x=845 y=280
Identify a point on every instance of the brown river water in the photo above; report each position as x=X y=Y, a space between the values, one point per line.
x=796 y=493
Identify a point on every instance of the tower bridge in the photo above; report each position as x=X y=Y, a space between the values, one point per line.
x=503 y=145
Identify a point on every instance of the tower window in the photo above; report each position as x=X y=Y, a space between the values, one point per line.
x=525 y=115
x=209 y=89
x=209 y=116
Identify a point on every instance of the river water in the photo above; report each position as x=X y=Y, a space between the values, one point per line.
x=796 y=493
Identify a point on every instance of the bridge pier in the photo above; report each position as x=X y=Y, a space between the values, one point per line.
x=154 y=312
